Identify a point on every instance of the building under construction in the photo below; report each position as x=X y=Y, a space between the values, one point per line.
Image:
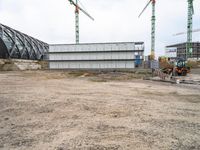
x=119 y=55
x=179 y=50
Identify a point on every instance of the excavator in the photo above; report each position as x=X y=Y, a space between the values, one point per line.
x=176 y=67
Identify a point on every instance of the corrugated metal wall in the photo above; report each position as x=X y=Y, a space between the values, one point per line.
x=95 y=56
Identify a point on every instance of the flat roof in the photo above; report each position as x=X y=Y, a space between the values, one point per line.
x=178 y=44
x=137 y=43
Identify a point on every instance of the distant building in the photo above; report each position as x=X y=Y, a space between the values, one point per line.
x=179 y=50
x=171 y=52
x=17 y=45
x=122 y=55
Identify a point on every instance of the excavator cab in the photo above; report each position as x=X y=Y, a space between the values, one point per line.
x=180 y=68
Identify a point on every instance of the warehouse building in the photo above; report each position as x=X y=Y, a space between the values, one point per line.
x=123 y=55
x=179 y=50
x=17 y=45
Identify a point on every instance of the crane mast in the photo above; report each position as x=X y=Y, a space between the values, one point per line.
x=77 y=8
x=77 y=22
x=189 y=29
x=153 y=26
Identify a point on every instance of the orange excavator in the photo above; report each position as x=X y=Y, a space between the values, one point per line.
x=176 y=68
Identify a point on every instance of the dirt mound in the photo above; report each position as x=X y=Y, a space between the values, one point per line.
x=18 y=64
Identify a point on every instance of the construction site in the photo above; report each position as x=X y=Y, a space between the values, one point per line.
x=100 y=95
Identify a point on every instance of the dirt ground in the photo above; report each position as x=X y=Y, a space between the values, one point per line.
x=43 y=110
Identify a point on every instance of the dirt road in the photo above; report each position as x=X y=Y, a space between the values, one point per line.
x=45 y=110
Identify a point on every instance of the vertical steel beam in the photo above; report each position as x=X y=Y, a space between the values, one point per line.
x=2 y=31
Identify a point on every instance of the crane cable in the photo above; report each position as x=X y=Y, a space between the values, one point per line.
x=82 y=5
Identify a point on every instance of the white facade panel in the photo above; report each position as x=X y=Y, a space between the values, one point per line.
x=130 y=64
x=95 y=47
x=93 y=65
x=92 y=56
x=114 y=46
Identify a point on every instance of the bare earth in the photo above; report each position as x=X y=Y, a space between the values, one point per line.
x=45 y=110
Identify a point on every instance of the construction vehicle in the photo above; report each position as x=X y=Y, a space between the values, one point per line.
x=177 y=67
x=181 y=68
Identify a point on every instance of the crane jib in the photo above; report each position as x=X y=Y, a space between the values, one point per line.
x=145 y=8
x=79 y=8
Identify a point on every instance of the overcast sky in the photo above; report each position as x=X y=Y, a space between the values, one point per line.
x=53 y=21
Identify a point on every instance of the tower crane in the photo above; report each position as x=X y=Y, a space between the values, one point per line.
x=153 y=20
x=77 y=8
x=189 y=28
x=181 y=33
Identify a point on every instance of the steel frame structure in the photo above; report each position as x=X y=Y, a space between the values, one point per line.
x=15 y=44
